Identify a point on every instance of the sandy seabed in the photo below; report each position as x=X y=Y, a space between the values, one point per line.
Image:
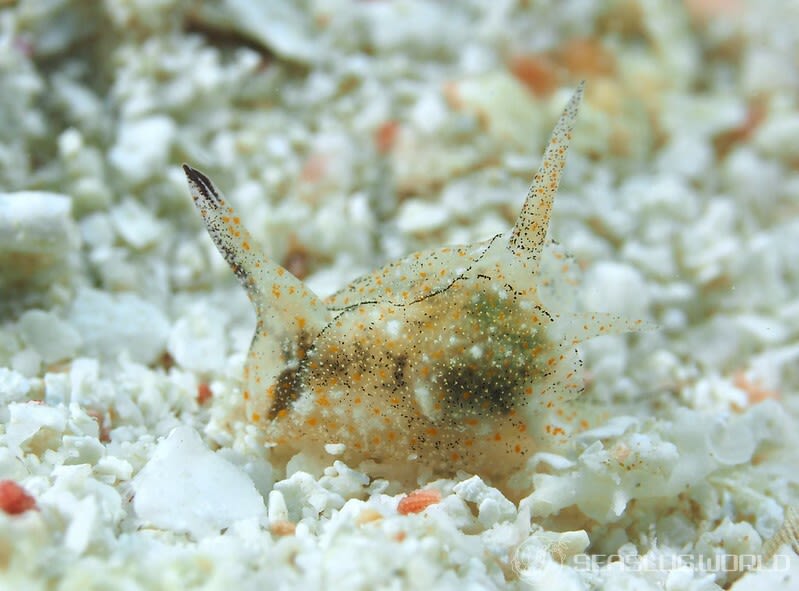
x=349 y=134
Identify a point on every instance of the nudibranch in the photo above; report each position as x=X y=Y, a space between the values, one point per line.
x=447 y=358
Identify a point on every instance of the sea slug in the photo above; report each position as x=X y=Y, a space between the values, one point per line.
x=455 y=358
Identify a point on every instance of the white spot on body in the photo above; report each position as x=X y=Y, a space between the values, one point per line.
x=393 y=328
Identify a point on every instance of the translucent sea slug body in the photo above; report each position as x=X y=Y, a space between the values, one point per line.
x=454 y=358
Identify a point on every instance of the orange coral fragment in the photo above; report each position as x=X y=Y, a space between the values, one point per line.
x=755 y=392
x=204 y=393
x=536 y=72
x=283 y=528
x=15 y=500
x=418 y=501
x=386 y=136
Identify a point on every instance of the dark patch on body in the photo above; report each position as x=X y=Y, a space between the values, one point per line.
x=476 y=390
x=287 y=390
x=288 y=385
x=203 y=184
x=400 y=363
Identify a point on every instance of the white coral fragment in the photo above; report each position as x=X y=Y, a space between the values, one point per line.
x=186 y=488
